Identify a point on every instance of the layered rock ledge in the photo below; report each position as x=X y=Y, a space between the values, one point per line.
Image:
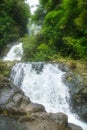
x=78 y=94
x=17 y=112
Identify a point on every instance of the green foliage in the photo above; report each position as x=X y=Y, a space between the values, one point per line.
x=63 y=32
x=8 y=29
x=65 y=27
x=38 y=16
x=44 y=52
x=77 y=46
x=45 y=7
x=50 y=5
x=81 y=19
x=28 y=46
x=34 y=50
x=14 y=16
x=52 y=28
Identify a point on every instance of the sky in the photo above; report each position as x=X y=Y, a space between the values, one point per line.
x=33 y=4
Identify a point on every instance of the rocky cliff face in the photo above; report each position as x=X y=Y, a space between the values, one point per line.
x=78 y=93
x=17 y=112
x=76 y=79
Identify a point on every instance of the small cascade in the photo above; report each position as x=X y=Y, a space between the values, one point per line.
x=15 y=53
x=42 y=82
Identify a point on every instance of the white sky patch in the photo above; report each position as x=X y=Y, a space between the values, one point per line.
x=33 y=4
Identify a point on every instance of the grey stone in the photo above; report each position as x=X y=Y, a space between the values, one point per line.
x=17 y=97
x=29 y=115
x=74 y=127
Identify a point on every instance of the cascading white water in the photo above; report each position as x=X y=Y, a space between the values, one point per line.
x=33 y=5
x=43 y=84
x=15 y=53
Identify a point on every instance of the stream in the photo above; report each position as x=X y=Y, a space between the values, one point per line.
x=42 y=82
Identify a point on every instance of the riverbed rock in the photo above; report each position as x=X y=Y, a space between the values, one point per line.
x=45 y=121
x=18 y=112
x=74 y=127
x=37 y=121
x=63 y=67
x=59 y=118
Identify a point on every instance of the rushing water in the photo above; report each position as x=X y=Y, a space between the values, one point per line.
x=15 y=53
x=42 y=82
x=33 y=5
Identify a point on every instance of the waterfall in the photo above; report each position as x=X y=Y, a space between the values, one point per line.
x=33 y=5
x=15 y=53
x=42 y=82
x=32 y=28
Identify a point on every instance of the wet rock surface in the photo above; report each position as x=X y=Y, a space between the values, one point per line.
x=17 y=112
x=13 y=99
x=74 y=127
x=78 y=93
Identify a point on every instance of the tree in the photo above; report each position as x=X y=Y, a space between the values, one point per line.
x=64 y=27
x=14 y=16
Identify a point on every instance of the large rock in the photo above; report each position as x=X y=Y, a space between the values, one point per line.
x=74 y=127
x=13 y=100
x=58 y=118
x=18 y=112
x=45 y=121
x=78 y=93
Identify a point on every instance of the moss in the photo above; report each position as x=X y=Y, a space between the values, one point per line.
x=5 y=68
x=4 y=112
x=69 y=78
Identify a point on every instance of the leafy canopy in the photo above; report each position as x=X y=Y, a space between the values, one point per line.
x=14 y=16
